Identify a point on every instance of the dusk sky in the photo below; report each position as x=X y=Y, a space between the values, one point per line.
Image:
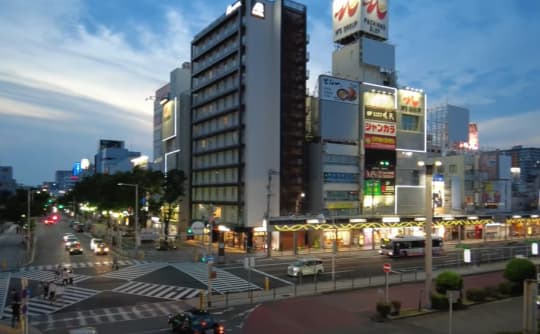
x=73 y=72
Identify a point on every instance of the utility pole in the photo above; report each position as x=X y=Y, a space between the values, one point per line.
x=271 y=172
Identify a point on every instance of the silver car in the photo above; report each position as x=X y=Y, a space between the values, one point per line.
x=305 y=267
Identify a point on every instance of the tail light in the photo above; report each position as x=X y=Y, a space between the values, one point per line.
x=203 y=323
x=221 y=329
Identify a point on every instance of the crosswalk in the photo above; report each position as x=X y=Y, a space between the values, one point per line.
x=89 y=264
x=46 y=276
x=223 y=283
x=157 y=290
x=4 y=289
x=59 y=322
x=38 y=306
x=133 y=272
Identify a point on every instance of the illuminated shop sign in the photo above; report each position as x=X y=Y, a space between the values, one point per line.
x=258 y=10
x=372 y=99
x=410 y=101
x=380 y=174
x=380 y=128
x=380 y=114
x=233 y=7
x=379 y=142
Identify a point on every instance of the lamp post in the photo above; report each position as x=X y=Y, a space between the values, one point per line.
x=136 y=225
x=297 y=204
x=428 y=252
x=271 y=173
x=28 y=235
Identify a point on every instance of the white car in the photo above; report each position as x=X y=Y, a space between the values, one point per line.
x=70 y=240
x=67 y=235
x=94 y=242
x=306 y=266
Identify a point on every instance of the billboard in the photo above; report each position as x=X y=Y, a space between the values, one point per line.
x=338 y=90
x=339 y=115
x=411 y=101
x=168 y=127
x=437 y=190
x=367 y=16
x=493 y=194
x=378 y=114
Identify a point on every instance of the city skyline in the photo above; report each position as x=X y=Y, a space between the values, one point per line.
x=75 y=72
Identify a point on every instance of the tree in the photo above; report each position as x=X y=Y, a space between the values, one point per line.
x=173 y=191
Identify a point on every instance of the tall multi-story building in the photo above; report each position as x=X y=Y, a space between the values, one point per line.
x=525 y=171
x=248 y=114
x=7 y=183
x=448 y=128
x=112 y=157
x=172 y=134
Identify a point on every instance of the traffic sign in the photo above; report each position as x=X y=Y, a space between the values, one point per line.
x=210 y=259
x=387 y=267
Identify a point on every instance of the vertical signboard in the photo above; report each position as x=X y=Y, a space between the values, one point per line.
x=168 y=127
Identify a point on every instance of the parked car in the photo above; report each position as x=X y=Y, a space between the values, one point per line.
x=306 y=266
x=94 y=242
x=101 y=249
x=75 y=248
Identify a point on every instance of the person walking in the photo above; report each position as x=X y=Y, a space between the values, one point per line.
x=15 y=314
x=45 y=290
x=71 y=276
x=52 y=292
x=65 y=277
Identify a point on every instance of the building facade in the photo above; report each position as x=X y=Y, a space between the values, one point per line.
x=7 y=183
x=112 y=157
x=245 y=129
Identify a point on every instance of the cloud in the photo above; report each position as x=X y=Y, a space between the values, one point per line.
x=505 y=132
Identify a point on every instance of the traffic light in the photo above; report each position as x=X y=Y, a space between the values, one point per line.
x=384 y=163
x=189 y=233
x=60 y=206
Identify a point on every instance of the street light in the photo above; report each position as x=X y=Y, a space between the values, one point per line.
x=298 y=199
x=136 y=186
x=428 y=256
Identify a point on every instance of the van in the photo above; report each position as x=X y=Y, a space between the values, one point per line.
x=305 y=267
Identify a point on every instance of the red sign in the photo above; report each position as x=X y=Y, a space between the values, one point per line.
x=380 y=142
x=387 y=267
x=380 y=128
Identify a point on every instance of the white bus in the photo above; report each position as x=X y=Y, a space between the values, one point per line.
x=409 y=246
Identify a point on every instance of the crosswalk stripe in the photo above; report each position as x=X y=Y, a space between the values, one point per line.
x=4 y=289
x=47 y=276
x=132 y=272
x=43 y=267
x=38 y=306
x=157 y=290
x=224 y=281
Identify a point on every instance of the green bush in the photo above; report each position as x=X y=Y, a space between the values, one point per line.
x=476 y=294
x=383 y=309
x=491 y=291
x=448 y=280
x=439 y=301
x=518 y=270
x=505 y=288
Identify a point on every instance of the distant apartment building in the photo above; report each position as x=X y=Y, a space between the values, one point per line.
x=248 y=114
x=7 y=182
x=525 y=173
x=112 y=157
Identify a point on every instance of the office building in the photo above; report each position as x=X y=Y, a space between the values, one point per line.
x=248 y=115
x=112 y=157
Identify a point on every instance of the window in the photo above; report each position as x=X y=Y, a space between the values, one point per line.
x=410 y=123
x=452 y=169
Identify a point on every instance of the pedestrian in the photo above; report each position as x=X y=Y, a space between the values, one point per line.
x=115 y=263
x=45 y=290
x=70 y=276
x=65 y=277
x=15 y=314
x=52 y=292
x=15 y=296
